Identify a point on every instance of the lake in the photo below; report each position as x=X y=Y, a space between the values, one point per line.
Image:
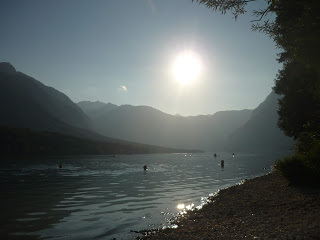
x=105 y=197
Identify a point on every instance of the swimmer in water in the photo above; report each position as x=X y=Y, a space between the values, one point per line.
x=222 y=163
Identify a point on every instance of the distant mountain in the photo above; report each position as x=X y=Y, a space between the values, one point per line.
x=26 y=102
x=94 y=109
x=245 y=131
x=148 y=125
x=261 y=133
x=37 y=119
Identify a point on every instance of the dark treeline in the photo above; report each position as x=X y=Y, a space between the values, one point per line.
x=27 y=142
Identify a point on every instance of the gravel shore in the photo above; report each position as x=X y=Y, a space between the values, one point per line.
x=265 y=207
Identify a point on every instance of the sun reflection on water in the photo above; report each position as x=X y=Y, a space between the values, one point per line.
x=184 y=208
x=180 y=206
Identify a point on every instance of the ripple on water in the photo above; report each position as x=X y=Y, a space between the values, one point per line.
x=36 y=213
x=89 y=188
x=106 y=198
x=27 y=219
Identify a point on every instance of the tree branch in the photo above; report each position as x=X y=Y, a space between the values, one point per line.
x=261 y=13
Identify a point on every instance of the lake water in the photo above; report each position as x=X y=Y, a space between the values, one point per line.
x=103 y=197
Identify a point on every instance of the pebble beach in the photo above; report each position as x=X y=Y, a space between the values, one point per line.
x=266 y=207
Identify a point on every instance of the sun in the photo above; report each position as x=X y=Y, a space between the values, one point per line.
x=187 y=67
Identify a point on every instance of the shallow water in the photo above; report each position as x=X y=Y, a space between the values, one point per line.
x=103 y=197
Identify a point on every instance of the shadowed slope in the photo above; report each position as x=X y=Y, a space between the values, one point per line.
x=26 y=102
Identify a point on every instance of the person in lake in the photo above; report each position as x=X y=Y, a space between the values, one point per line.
x=60 y=165
x=145 y=167
x=222 y=163
x=215 y=155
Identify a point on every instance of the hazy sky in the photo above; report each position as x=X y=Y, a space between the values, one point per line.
x=123 y=51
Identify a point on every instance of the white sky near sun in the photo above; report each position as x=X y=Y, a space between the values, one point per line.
x=124 y=52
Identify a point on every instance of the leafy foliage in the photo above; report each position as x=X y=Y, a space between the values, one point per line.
x=302 y=169
x=300 y=104
x=296 y=31
x=237 y=7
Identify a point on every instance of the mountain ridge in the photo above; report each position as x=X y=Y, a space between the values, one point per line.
x=32 y=98
x=260 y=132
x=255 y=130
x=27 y=103
x=149 y=125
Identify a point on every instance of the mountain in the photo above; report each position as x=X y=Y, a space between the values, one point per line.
x=237 y=131
x=148 y=125
x=26 y=102
x=261 y=133
x=94 y=109
x=6 y=67
x=37 y=119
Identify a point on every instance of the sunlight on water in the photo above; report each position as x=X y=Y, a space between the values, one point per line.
x=103 y=197
x=180 y=206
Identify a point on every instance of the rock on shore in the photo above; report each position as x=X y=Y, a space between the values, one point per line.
x=262 y=208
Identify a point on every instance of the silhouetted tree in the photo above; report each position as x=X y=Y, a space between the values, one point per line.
x=296 y=31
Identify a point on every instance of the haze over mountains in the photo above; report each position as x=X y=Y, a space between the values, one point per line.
x=260 y=132
x=148 y=125
x=245 y=130
x=26 y=102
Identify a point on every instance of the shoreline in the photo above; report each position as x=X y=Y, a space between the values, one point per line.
x=265 y=207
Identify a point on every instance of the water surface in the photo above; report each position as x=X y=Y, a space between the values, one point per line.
x=105 y=197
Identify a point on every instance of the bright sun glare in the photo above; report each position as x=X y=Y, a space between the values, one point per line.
x=187 y=67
